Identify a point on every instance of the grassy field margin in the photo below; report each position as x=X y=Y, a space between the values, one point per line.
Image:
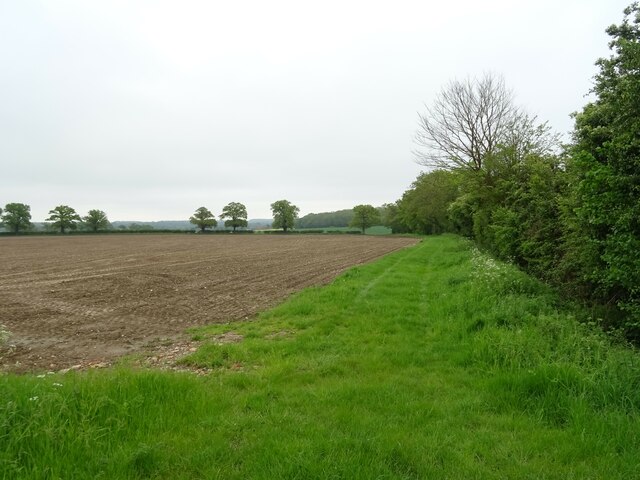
x=434 y=362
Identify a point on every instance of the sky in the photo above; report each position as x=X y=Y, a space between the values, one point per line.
x=150 y=109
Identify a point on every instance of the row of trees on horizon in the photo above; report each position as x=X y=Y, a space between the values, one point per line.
x=16 y=217
x=569 y=214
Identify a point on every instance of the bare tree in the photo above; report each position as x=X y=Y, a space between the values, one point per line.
x=470 y=119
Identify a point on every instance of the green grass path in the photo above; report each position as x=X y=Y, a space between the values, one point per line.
x=434 y=362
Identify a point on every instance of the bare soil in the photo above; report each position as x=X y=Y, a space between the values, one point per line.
x=77 y=301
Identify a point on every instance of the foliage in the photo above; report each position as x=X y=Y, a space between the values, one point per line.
x=96 y=220
x=236 y=215
x=381 y=374
x=284 y=214
x=513 y=210
x=423 y=208
x=603 y=214
x=63 y=218
x=339 y=218
x=203 y=219
x=510 y=207
x=392 y=219
x=364 y=216
x=16 y=217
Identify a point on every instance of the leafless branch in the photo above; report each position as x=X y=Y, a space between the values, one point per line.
x=470 y=119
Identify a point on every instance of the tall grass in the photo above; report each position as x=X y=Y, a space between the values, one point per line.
x=434 y=362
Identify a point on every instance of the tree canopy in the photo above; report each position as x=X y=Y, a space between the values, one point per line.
x=423 y=208
x=96 y=220
x=236 y=215
x=16 y=217
x=470 y=119
x=364 y=216
x=203 y=219
x=284 y=214
x=63 y=218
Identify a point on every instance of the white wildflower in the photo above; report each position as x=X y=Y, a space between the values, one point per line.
x=33 y=399
x=486 y=269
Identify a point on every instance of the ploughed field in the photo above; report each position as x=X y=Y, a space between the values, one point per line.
x=86 y=300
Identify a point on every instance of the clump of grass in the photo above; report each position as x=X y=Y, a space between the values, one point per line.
x=541 y=362
x=4 y=335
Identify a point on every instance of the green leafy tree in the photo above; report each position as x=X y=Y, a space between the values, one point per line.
x=63 y=218
x=603 y=214
x=424 y=207
x=16 y=217
x=284 y=214
x=96 y=220
x=391 y=218
x=364 y=216
x=236 y=215
x=203 y=219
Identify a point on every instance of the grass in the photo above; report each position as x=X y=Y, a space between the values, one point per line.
x=434 y=362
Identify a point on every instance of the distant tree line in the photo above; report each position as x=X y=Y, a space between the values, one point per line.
x=16 y=217
x=340 y=218
x=285 y=217
x=569 y=214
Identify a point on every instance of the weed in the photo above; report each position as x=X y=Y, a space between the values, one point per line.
x=4 y=335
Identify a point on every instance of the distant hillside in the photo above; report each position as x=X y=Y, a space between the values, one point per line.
x=340 y=218
x=159 y=225
x=260 y=223
x=254 y=224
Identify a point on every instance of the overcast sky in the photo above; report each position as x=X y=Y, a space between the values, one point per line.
x=150 y=109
